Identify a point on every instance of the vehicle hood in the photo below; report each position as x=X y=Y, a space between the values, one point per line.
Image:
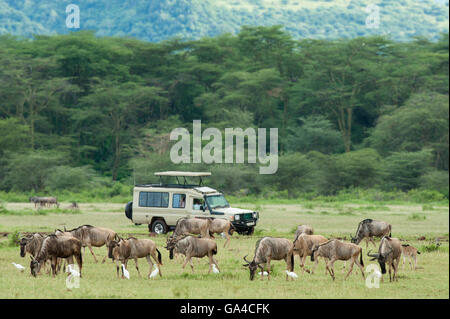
x=232 y=210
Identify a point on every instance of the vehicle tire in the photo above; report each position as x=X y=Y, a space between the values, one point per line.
x=250 y=231
x=159 y=227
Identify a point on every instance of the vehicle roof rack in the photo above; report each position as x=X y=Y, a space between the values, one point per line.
x=177 y=174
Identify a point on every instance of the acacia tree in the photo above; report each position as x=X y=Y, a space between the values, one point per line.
x=337 y=76
x=113 y=107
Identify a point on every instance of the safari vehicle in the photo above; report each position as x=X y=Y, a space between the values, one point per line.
x=161 y=205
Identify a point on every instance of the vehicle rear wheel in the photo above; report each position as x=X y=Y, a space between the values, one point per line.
x=159 y=227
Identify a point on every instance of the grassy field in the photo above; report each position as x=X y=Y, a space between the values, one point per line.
x=409 y=222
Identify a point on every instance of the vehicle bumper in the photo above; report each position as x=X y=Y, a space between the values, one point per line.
x=244 y=225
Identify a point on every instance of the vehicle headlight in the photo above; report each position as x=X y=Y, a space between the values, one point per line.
x=237 y=217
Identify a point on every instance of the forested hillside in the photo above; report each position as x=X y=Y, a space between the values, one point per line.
x=193 y=19
x=78 y=112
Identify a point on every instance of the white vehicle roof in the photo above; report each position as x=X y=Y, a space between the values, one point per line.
x=205 y=190
x=183 y=174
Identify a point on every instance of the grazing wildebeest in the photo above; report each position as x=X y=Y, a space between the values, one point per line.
x=303 y=245
x=35 y=200
x=411 y=252
x=94 y=236
x=389 y=252
x=132 y=248
x=54 y=247
x=193 y=247
x=219 y=226
x=31 y=244
x=304 y=229
x=336 y=250
x=268 y=249
x=369 y=228
x=197 y=226
x=47 y=201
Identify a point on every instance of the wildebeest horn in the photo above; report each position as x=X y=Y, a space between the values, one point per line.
x=245 y=258
x=373 y=255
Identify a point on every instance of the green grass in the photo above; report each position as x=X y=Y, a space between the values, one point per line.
x=431 y=280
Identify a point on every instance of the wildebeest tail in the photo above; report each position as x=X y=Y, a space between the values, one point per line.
x=292 y=262
x=418 y=252
x=361 y=258
x=159 y=257
x=214 y=251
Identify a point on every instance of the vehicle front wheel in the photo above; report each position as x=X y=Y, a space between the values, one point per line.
x=159 y=227
x=250 y=231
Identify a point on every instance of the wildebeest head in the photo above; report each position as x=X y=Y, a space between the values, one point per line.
x=112 y=244
x=381 y=258
x=35 y=266
x=362 y=231
x=170 y=245
x=23 y=243
x=252 y=266
x=313 y=251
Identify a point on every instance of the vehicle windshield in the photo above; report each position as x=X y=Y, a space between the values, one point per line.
x=217 y=201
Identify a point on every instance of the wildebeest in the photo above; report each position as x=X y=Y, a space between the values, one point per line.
x=303 y=245
x=94 y=236
x=303 y=229
x=31 y=244
x=35 y=200
x=389 y=252
x=411 y=252
x=369 y=228
x=54 y=247
x=268 y=249
x=193 y=247
x=219 y=226
x=336 y=250
x=132 y=248
x=197 y=226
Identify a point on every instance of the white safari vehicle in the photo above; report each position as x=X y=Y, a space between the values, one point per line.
x=162 y=205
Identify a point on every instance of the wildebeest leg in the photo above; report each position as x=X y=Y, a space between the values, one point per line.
x=302 y=264
x=397 y=261
x=315 y=265
x=79 y=260
x=330 y=267
x=92 y=252
x=268 y=268
x=150 y=263
x=137 y=267
x=211 y=261
x=117 y=267
x=262 y=271
x=415 y=261
x=216 y=263
x=352 y=261
x=390 y=267
x=104 y=259
x=54 y=261
x=227 y=239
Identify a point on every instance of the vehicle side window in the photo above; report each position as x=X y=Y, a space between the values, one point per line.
x=198 y=204
x=179 y=201
x=153 y=199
